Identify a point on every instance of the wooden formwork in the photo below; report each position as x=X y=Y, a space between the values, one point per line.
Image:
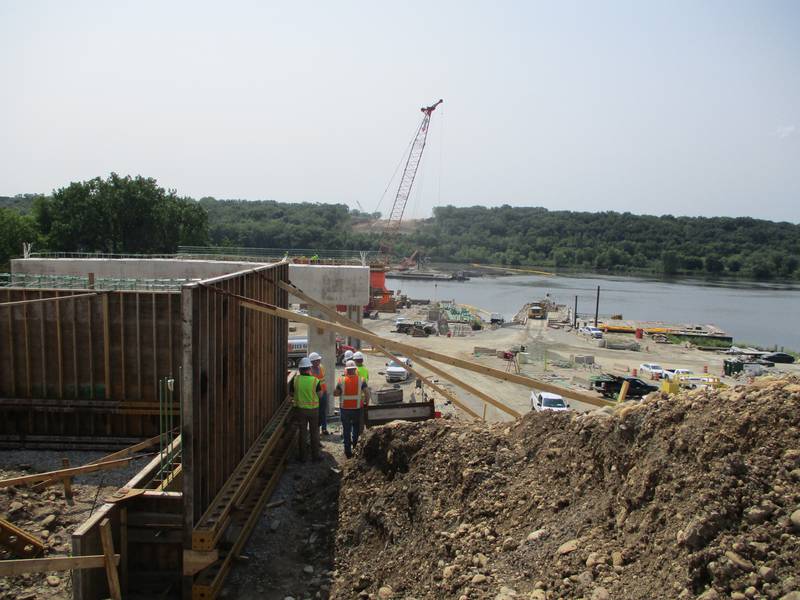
x=233 y=410
x=84 y=371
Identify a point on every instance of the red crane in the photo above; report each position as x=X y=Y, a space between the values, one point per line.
x=406 y=181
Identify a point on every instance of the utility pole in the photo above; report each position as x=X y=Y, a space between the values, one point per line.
x=597 y=306
x=575 y=313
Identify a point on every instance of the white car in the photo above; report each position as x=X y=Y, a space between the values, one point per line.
x=652 y=369
x=542 y=401
x=396 y=371
x=592 y=332
x=672 y=374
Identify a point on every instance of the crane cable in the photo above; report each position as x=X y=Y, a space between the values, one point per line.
x=397 y=168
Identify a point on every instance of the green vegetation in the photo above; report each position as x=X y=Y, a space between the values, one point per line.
x=612 y=242
x=132 y=215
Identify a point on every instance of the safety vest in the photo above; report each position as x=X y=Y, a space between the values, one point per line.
x=351 y=391
x=305 y=391
x=363 y=372
x=321 y=377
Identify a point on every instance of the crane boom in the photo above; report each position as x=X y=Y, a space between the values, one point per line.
x=407 y=179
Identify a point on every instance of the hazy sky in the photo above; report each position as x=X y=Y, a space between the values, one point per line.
x=650 y=107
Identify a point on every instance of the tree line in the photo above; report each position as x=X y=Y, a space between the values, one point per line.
x=135 y=215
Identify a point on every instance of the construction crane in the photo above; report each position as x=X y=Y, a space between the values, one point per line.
x=406 y=182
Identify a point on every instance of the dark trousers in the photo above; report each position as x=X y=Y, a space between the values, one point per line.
x=351 y=419
x=307 y=419
x=323 y=411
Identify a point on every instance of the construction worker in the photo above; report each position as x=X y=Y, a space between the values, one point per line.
x=305 y=391
x=353 y=395
x=363 y=372
x=362 y=369
x=318 y=371
x=348 y=355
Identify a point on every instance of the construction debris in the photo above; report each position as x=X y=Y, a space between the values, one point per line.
x=694 y=495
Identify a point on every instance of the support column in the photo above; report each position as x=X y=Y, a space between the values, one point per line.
x=355 y=313
x=324 y=343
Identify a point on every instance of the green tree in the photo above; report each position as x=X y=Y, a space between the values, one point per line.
x=120 y=215
x=713 y=265
x=669 y=262
x=15 y=229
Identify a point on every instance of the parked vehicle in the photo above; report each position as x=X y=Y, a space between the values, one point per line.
x=545 y=401
x=496 y=318
x=592 y=332
x=610 y=385
x=779 y=357
x=396 y=371
x=298 y=348
x=652 y=369
x=674 y=373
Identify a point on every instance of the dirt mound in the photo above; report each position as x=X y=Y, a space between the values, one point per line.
x=672 y=497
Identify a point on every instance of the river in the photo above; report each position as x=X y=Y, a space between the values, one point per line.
x=762 y=314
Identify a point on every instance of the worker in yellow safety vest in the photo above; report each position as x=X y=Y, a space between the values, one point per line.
x=305 y=391
x=363 y=372
x=353 y=395
x=318 y=371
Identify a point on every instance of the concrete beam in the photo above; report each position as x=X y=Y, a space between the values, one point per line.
x=331 y=284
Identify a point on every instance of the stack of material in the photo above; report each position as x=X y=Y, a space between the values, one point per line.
x=673 y=497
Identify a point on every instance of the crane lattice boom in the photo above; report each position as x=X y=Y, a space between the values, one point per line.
x=407 y=179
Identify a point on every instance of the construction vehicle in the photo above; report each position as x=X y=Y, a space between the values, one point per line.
x=536 y=311
x=392 y=228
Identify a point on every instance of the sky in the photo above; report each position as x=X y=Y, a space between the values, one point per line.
x=683 y=107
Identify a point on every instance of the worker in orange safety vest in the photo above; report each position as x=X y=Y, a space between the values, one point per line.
x=353 y=396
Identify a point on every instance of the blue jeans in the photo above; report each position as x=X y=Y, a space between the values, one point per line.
x=323 y=411
x=351 y=418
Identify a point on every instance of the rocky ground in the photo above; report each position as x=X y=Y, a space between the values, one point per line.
x=694 y=496
x=49 y=516
x=290 y=553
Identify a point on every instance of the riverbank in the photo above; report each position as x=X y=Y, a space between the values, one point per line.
x=765 y=315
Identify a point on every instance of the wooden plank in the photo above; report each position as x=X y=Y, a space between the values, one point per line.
x=57 y=298
x=59 y=350
x=44 y=392
x=10 y=568
x=75 y=382
x=11 y=341
x=89 y=330
x=195 y=561
x=139 y=349
x=106 y=348
x=154 y=317
x=123 y=548
x=122 y=344
x=27 y=346
x=67 y=481
x=19 y=541
x=623 y=392
x=110 y=560
x=61 y=473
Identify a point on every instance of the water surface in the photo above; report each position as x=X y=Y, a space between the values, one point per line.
x=763 y=314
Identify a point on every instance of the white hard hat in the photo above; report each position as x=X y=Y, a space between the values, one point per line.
x=314 y=356
x=304 y=363
x=358 y=356
x=350 y=365
x=348 y=354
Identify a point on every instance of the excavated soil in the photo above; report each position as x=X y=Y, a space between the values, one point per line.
x=695 y=495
